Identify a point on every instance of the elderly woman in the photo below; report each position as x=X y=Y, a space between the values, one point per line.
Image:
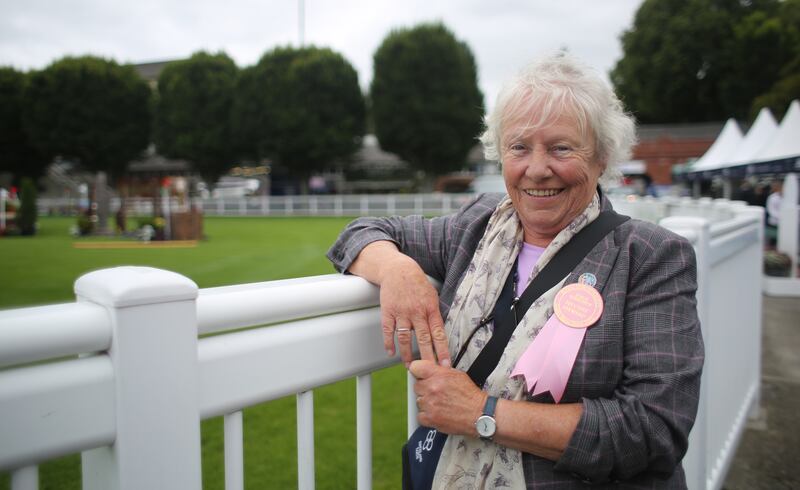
x=618 y=408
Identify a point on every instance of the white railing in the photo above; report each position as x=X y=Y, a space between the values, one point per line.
x=309 y=205
x=141 y=325
x=729 y=262
x=133 y=352
x=655 y=209
x=728 y=239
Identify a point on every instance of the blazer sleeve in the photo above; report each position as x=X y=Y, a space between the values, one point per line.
x=427 y=240
x=644 y=425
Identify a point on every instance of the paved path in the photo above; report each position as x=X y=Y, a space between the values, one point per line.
x=768 y=457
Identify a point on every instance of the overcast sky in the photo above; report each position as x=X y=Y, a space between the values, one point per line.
x=503 y=34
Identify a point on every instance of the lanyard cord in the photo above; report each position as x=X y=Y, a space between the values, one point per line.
x=490 y=318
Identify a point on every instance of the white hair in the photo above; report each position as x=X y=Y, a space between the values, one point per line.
x=556 y=85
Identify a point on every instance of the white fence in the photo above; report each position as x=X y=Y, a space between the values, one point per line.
x=132 y=354
x=308 y=205
x=728 y=240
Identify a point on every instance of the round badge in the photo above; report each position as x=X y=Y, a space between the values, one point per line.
x=578 y=305
x=588 y=278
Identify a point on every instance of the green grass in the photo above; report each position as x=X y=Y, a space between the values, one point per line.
x=42 y=269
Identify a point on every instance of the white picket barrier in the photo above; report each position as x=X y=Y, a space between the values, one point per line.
x=432 y=204
x=729 y=261
x=125 y=374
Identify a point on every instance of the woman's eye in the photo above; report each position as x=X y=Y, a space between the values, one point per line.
x=560 y=149
x=517 y=147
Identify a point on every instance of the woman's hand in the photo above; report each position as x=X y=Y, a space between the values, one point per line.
x=409 y=303
x=447 y=398
x=449 y=401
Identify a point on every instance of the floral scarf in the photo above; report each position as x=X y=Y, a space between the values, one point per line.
x=466 y=462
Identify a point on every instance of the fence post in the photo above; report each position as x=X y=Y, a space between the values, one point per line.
x=698 y=230
x=411 y=404
x=26 y=478
x=757 y=272
x=154 y=355
x=305 y=440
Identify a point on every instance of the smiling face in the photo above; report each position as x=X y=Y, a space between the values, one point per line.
x=551 y=174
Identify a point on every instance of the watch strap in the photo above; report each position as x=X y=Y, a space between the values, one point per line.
x=491 y=404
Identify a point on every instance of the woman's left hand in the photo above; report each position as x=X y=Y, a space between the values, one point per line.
x=447 y=398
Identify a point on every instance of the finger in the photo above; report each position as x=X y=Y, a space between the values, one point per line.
x=439 y=338
x=424 y=419
x=423 y=334
x=404 y=334
x=422 y=369
x=387 y=327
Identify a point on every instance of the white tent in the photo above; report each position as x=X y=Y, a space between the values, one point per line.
x=760 y=134
x=767 y=148
x=722 y=150
x=785 y=143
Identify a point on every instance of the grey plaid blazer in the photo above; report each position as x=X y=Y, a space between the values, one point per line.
x=638 y=370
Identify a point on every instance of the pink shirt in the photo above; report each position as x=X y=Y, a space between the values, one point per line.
x=528 y=257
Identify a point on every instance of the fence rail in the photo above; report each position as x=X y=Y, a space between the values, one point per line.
x=308 y=205
x=648 y=208
x=145 y=348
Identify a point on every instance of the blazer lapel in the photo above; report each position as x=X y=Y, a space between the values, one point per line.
x=599 y=262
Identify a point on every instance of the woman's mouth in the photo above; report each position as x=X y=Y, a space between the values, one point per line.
x=542 y=192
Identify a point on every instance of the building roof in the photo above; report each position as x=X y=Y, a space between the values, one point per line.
x=707 y=131
x=371 y=156
x=153 y=162
x=151 y=70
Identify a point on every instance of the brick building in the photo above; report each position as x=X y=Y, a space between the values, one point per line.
x=663 y=145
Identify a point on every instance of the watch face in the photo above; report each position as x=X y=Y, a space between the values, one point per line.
x=486 y=426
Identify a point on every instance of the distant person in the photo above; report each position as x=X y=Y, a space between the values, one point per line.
x=761 y=192
x=774 y=212
x=614 y=403
x=649 y=189
x=120 y=218
x=746 y=193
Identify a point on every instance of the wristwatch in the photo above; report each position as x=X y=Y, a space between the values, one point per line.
x=486 y=425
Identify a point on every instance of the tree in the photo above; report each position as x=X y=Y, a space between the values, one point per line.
x=193 y=110
x=301 y=107
x=26 y=217
x=426 y=104
x=17 y=155
x=88 y=109
x=700 y=60
x=787 y=87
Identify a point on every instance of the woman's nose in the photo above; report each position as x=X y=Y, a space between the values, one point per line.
x=538 y=167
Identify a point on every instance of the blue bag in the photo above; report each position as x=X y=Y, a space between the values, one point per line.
x=420 y=456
